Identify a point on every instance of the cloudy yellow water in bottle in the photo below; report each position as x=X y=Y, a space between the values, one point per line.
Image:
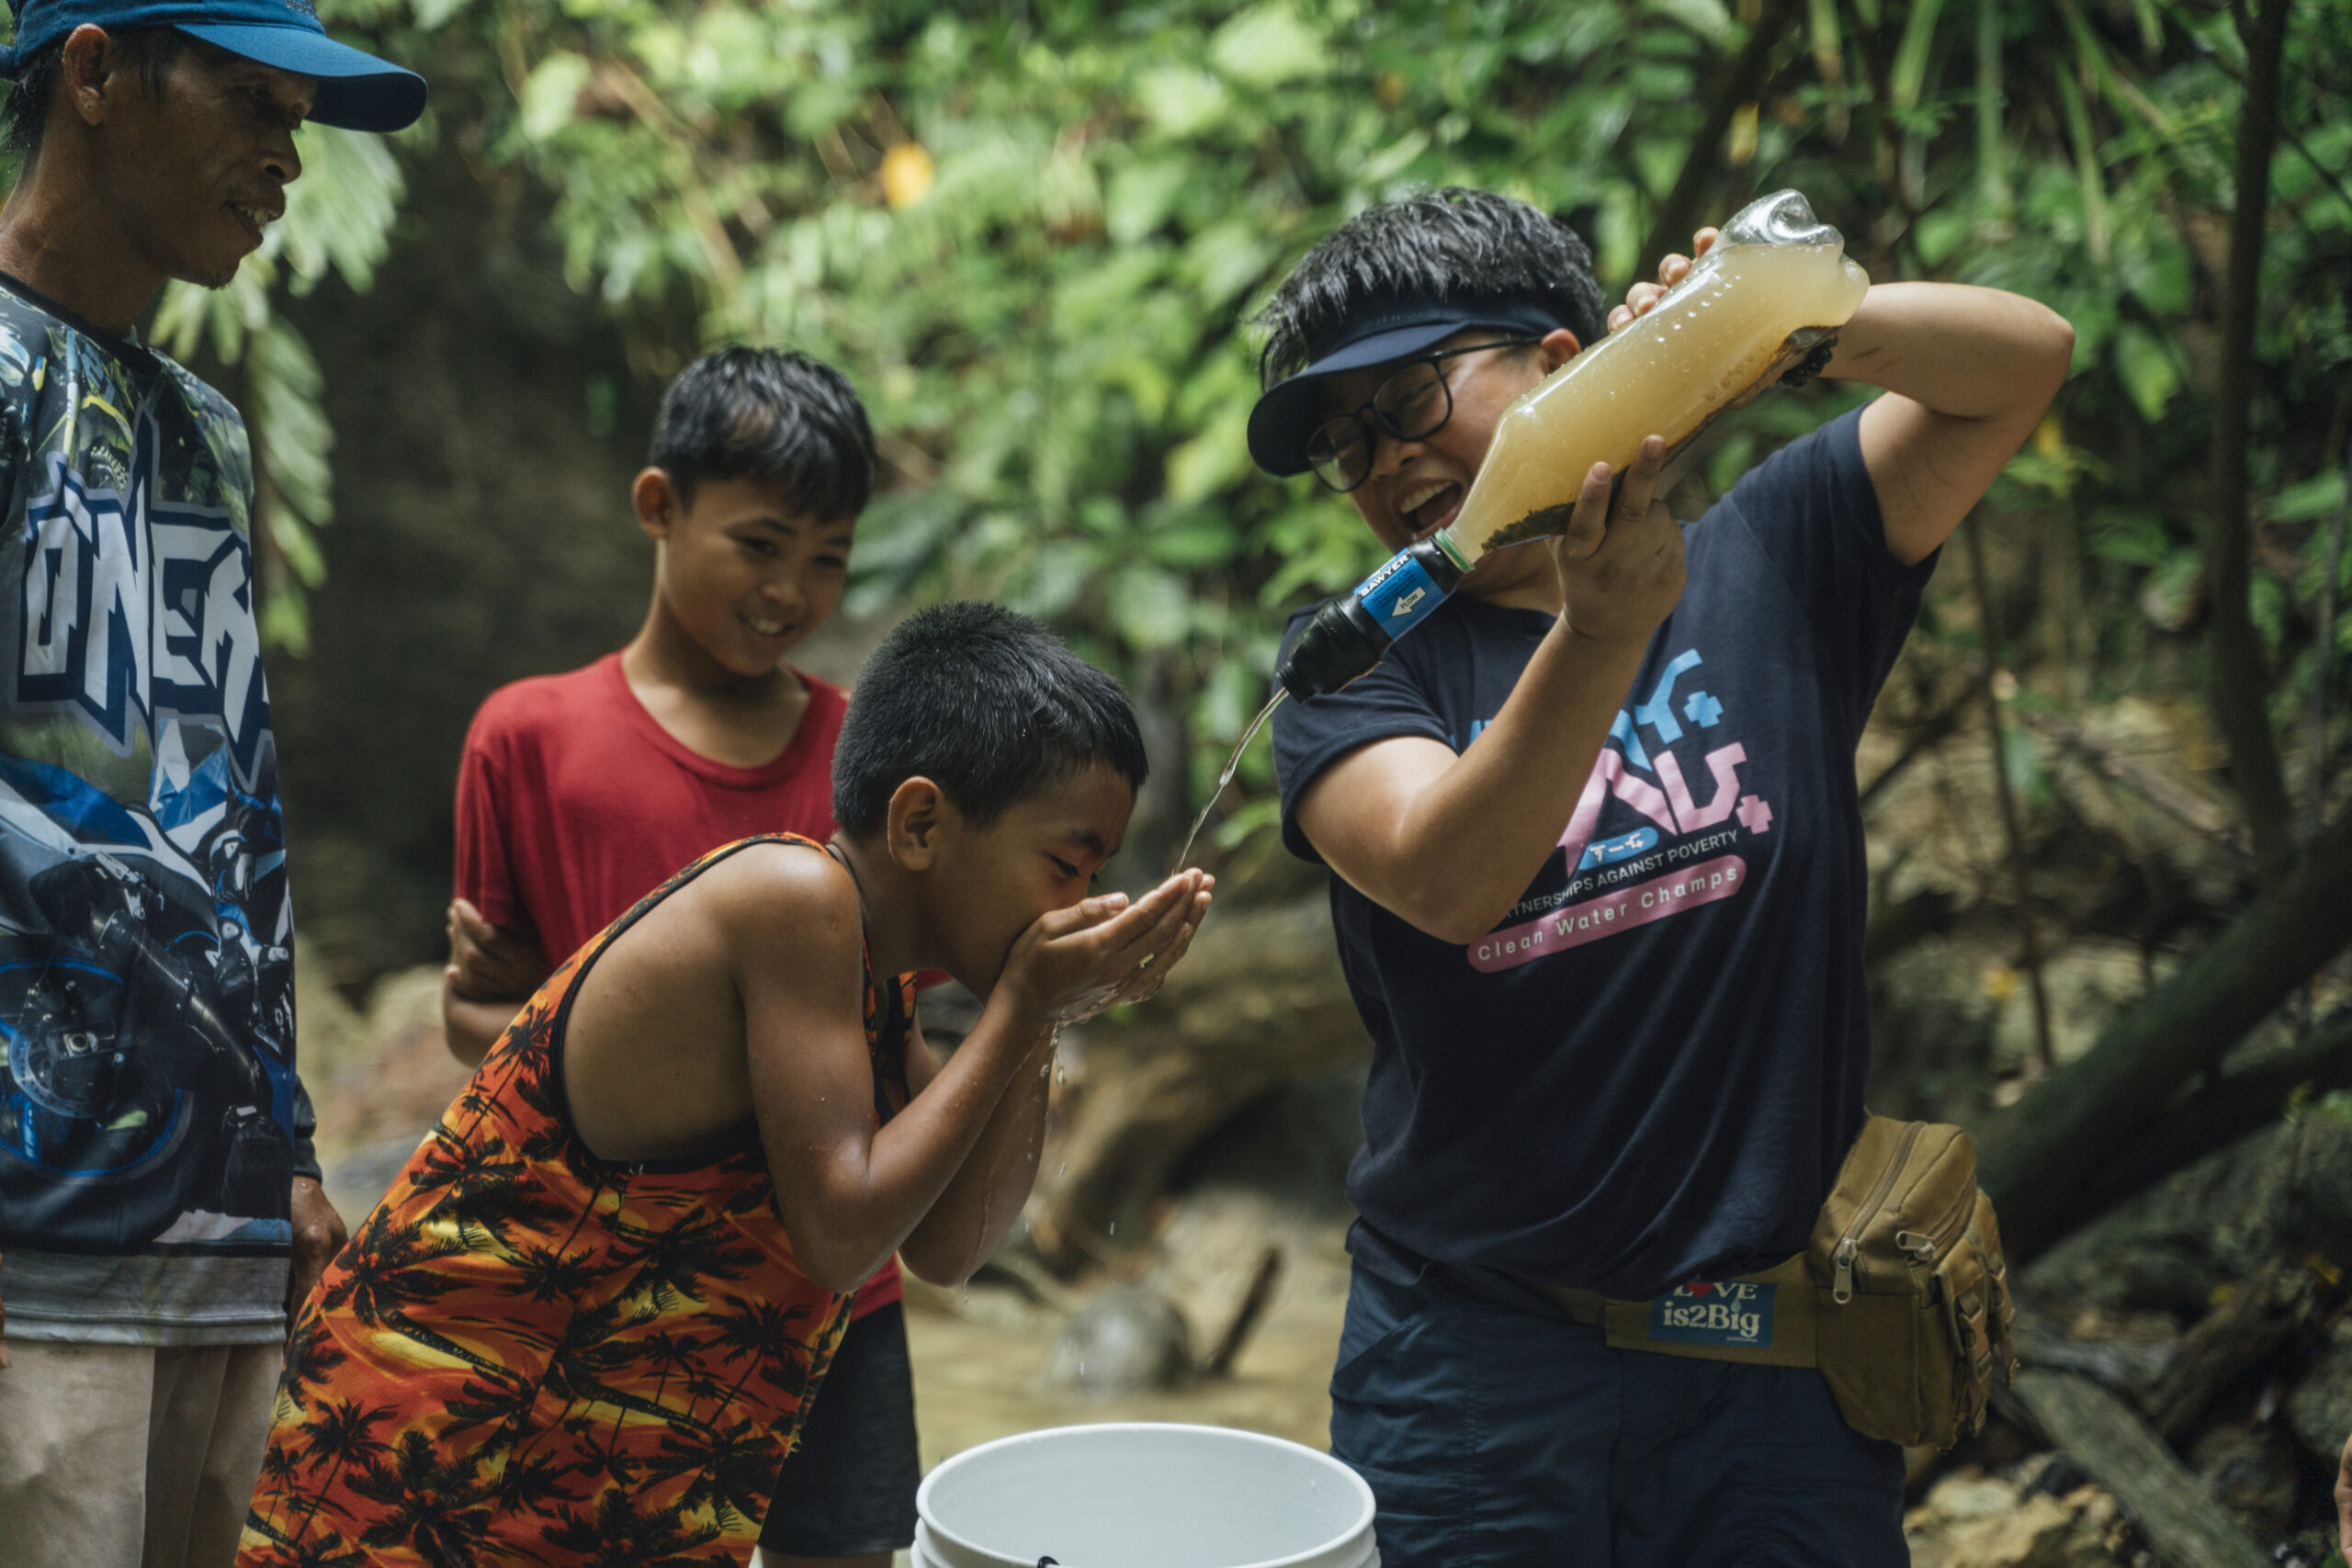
x=1774 y=279
x=1767 y=299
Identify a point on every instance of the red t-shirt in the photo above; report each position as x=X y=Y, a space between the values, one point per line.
x=574 y=803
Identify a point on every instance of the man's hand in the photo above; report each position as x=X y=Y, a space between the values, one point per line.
x=1621 y=564
x=491 y=974
x=1104 y=953
x=486 y=964
x=318 y=1236
x=1641 y=299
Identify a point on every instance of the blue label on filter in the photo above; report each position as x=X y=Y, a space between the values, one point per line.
x=1399 y=596
x=1737 y=1311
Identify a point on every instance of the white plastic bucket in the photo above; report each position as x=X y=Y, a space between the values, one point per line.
x=1144 y=1494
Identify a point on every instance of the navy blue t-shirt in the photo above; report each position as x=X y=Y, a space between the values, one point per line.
x=1650 y=1071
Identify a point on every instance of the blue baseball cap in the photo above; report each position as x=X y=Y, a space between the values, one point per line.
x=1288 y=411
x=357 y=91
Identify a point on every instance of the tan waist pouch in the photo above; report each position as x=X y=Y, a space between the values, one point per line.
x=1900 y=1298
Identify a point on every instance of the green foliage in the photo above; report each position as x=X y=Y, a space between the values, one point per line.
x=338 y=218
x=1032 y=233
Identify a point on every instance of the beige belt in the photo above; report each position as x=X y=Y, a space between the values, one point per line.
x=1764 y=1320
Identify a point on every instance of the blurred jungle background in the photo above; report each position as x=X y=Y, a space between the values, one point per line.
x=2111 y=858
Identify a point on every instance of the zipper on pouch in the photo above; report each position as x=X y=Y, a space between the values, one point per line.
x=1841 y=1289
x=1924 y=1246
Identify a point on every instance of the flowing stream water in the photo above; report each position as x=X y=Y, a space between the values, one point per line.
x=1232 y=764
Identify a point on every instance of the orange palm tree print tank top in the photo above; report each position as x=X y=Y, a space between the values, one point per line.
x=529 y=1355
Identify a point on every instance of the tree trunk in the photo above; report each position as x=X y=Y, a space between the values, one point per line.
x=2213 y=1118
x=2260 y=1318
x=2241 y=679
x=2169 y=1505
x=1257 y=1003
x=1742 y=82
x=2284 y=1194
x=2035 y=1157
x=1996 y=730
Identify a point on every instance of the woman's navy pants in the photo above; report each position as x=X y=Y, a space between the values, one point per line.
x=1494 y=1436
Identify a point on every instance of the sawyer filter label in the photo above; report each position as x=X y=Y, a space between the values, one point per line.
x=1736 y=1312
x=1399 y=596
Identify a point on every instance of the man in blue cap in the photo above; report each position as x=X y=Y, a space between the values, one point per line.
x=159 y=1200
x=1598 y=885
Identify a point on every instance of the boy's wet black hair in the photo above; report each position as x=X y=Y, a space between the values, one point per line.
x=34 y=88
x=985 y=704
x=766 y=413
x=1448 y=244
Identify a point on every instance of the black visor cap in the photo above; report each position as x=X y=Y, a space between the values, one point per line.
x=1288 y=411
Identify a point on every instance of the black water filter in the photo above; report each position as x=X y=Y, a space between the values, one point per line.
x=1347 y=637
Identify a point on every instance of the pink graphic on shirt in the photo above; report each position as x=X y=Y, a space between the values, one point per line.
x=1587 y=816
x=1634 y=878
x=1671 y=808
x=1608 y=777
x=1641 y=794
x=1723 y=762
x=1636 y=905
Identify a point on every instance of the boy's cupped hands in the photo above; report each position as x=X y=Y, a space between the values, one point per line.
x=1106 y=951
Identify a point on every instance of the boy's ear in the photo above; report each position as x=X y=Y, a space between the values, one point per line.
x=655 y=498
x=1559 y=345
x=918 y=814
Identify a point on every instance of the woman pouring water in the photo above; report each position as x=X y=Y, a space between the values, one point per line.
x=1598 y=884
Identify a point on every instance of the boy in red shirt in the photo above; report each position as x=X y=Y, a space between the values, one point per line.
x=580 y=793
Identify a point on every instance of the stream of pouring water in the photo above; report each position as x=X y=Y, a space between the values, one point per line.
x=1232 y=763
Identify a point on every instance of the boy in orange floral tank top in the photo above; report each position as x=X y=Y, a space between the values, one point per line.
x=584 y=1323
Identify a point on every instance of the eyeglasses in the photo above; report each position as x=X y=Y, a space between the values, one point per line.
x=1412 y=404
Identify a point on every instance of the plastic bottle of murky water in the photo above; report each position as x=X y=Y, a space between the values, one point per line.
x=1764 y=302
